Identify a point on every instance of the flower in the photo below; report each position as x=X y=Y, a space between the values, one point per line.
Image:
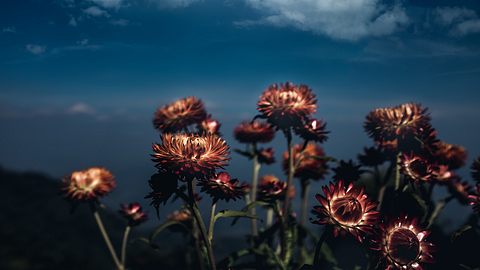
x=347 y=208
x=209 y=125
x=475 y=200
x=416 y=167
x=372 y=156
x=287 y=105
x=311 y=163
x=133 y=213
x=179 y=114
x=182 y=215
x=270 y=188
x=347 y=171
x=461 y=190
x=89 y=184
x=163 y=185
x=313 y=130
x=222 y=187
x=254 y=132
x=191 y=155
x=266 y=156
x=454 y=156
x=404 y=244
x=475 y=169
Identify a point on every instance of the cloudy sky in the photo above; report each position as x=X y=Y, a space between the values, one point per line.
x=80 y=79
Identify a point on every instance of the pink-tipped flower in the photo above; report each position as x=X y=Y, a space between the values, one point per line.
x=460 y=189
x=311 y=162
x=89 y=184
x=179 y=114
x=254 y=132
x=417 y=168
x=287 y=105
x=266 y=156
x=133 y=213
x=191 y=155
x=475 y=200
x=182 y=215
x=404 y=246
x=347 y=209
x=270 y=188
x=209 y=125
x=222 y=187
x=313 y=130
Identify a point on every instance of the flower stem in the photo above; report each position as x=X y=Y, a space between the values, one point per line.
x=397 y=172
x=286 y=205
x=269 y=221
x=124 y=244
x=437 y=210
x=212 y=222
x=201 y=224
x=304 y=196
x=326 y=233
x=253 y=196
x=107 y=240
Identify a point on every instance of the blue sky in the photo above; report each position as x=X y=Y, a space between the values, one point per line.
x=80 y=79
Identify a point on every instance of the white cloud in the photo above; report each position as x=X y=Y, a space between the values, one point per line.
x=83 y=42
x=120 y=22
x=95 y=12
x=174 y=3
x=9 y=29
x=72 y=21
x=460 y=20
x=35 y=49
x=81 y=108
x=468 y=27
x=338 y=19
x=109 y=3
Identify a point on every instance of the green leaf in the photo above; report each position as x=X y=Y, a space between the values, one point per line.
x=459 y=232
x=234 y=214
x=250 y=206
x=163 y=226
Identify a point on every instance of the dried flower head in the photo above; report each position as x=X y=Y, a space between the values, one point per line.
x=182 y=215
x=442 y=173
x=389 y=124
x=404 y=245
x=266 y=156
x=287 y=105
x=254 y=132
x=163 y=185
x=346 y=208
x=270 y=188
x=454 y=156
x=475 y=169
x=89 y=184
x=347 y=171
x=209 y=125
x=133 y=213
x=474 y=199
x=372 y=156
x=222 y=187
x=191 y=155
x=311 y=162
x=179 y=114
x=416 y=167
x=460 y=189
x=313 y=130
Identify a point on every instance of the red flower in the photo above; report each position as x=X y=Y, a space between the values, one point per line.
x=287 y=105
x=179 y=114
x=222 y=187
x=454 y=156
x=417 y=168
x=347 y=209
x=313 y=130
x=133 y=213
x=311 y=162
x=404 y=245
x=254 y=132
x=270 y=188
x=266 y=156
x=461 y=190
x=209 y=125
x=89 y=184
x=191 y=155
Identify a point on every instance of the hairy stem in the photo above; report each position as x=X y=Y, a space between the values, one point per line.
x=253 y=196
x=212 y=222
x=124 y=244
x=118 y=265
x=318 y=248
x=397 y=172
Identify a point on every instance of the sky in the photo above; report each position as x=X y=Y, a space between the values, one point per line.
x=80 y=79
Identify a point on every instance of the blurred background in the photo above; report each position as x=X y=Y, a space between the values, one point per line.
x=81 y=79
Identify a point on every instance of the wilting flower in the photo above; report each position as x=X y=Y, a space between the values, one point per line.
x=476 y=169
x=266 y=156
x=287 y=105
x=191 y=155
x=209 y=125
x=179 y=114
x=254 y=132
x=460 y=189
x=313 y=130
x=454 y=156
x=270 y=188
x=372 y=156
x=404 y=245
x=416 y=167
x=163 y=185
x=222 y=187
x=386 y=125
x=89 y=184
x=311 y=162
x=133 y=213
x=347 y=171
x=346 y=208
x=475 y=200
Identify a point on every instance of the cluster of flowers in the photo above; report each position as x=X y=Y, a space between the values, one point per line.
x=193 y=153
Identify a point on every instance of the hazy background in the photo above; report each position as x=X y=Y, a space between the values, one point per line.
x=80 y=80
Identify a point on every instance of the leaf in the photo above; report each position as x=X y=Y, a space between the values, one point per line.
x=162 y=227
x=234 y=214
x=460 y=231
x=250 y=206
x=233 y=257
x=243 y=153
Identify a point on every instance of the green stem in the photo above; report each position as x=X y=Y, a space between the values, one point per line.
x=304 y=197
x=212 y=222
x=381 y=195
x=397 y=172
x=290 y=173
x=437 y=210
x=269 y=217
x=253 y=196
x=318 y=248
x=107 y=240
x=124 y=244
